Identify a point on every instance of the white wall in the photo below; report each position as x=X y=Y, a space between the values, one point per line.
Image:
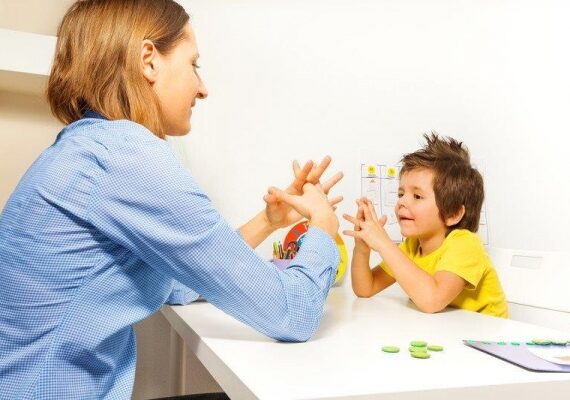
x=363 y=80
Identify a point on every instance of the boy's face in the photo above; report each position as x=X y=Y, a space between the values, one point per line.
x=416 y=208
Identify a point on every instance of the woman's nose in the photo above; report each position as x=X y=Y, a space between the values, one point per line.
x=202 y=91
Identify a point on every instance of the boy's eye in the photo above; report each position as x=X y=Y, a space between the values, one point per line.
x=195 y=65
x=417 y=197
x=400 y=195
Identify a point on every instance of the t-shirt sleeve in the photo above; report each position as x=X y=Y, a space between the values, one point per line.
x=464 y=256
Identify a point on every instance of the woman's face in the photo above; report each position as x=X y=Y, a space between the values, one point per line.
x=178 y=84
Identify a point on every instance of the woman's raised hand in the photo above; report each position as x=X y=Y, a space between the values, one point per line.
x=312 y=204
x=281 y=214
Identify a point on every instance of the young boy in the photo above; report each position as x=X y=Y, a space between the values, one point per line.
x=442 y=262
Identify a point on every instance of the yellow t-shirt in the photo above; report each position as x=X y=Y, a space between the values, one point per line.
x=463 y=254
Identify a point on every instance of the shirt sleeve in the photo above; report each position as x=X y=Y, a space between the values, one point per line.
x=146 y=202
x=181 y=295
x=464 y=256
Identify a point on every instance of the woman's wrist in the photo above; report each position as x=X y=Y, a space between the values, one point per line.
x=327 y=222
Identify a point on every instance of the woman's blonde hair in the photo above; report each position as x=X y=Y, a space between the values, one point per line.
x=97 y=64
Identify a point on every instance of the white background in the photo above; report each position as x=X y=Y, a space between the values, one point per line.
x=362 y=80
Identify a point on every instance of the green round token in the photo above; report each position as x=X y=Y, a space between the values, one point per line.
x=390 y=349
x=502 y=343
x=515 y=343
x=420 y=349
x=541 y=342
x=418 y=343
x=559 y=342
x=420 y=354
x=434 y=347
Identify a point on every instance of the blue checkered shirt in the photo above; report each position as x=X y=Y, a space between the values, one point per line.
x=103 y=229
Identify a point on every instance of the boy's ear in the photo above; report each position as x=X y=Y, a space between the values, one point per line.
x=454 y=219
x=149 y=61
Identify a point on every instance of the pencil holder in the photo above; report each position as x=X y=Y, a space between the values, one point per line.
x=281 y=263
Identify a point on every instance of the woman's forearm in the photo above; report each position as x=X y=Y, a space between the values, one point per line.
x=256 y=230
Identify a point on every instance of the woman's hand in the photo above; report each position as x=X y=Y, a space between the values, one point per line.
x=312 y=204
x=368 y=228
x=280 y=214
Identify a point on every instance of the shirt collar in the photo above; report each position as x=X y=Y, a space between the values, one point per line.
x=93 y=114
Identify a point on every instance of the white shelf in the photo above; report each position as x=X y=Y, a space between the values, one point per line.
x=27 y=60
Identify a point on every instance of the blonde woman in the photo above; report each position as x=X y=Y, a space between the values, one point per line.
x=106 y=226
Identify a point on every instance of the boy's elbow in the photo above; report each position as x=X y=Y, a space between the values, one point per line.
x=430 y=307
x=362 y=293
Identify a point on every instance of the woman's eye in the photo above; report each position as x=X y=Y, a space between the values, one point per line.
x=195 y=65
x=417 y=197
x=400 y=195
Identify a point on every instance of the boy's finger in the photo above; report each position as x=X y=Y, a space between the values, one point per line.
x=350 y=233
x=350 y=219
x=372 y=211
x=366 y=211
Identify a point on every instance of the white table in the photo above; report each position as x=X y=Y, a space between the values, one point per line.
x=344 y=359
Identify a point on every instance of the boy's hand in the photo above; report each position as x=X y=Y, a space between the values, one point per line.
x=368 y=228
x=360 y=245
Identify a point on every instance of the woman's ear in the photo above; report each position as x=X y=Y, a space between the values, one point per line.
x=149 y=61
x=454 y=219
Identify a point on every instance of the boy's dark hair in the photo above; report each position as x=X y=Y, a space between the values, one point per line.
x=455 y=183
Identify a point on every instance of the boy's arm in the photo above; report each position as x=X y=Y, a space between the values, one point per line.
x=429 y=293
x=367 y=282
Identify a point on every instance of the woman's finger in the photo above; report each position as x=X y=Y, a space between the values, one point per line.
x=335 y=200
x=318 y=171
x=332 y=181
x=280 y=195
x=270 y=199
x=301 y=175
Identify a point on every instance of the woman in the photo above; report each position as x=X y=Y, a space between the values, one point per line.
x=106 y=226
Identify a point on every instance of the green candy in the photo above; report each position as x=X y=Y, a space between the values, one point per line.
x=390 y=349
x=418 y=343
x=434 y=347
x=419 y=349
x=420 y=354
x=541 y=342
x=515 y=343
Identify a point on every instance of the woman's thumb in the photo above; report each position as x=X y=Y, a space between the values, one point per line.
x=278 y=193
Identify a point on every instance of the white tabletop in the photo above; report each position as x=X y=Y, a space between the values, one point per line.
x=344 y=359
